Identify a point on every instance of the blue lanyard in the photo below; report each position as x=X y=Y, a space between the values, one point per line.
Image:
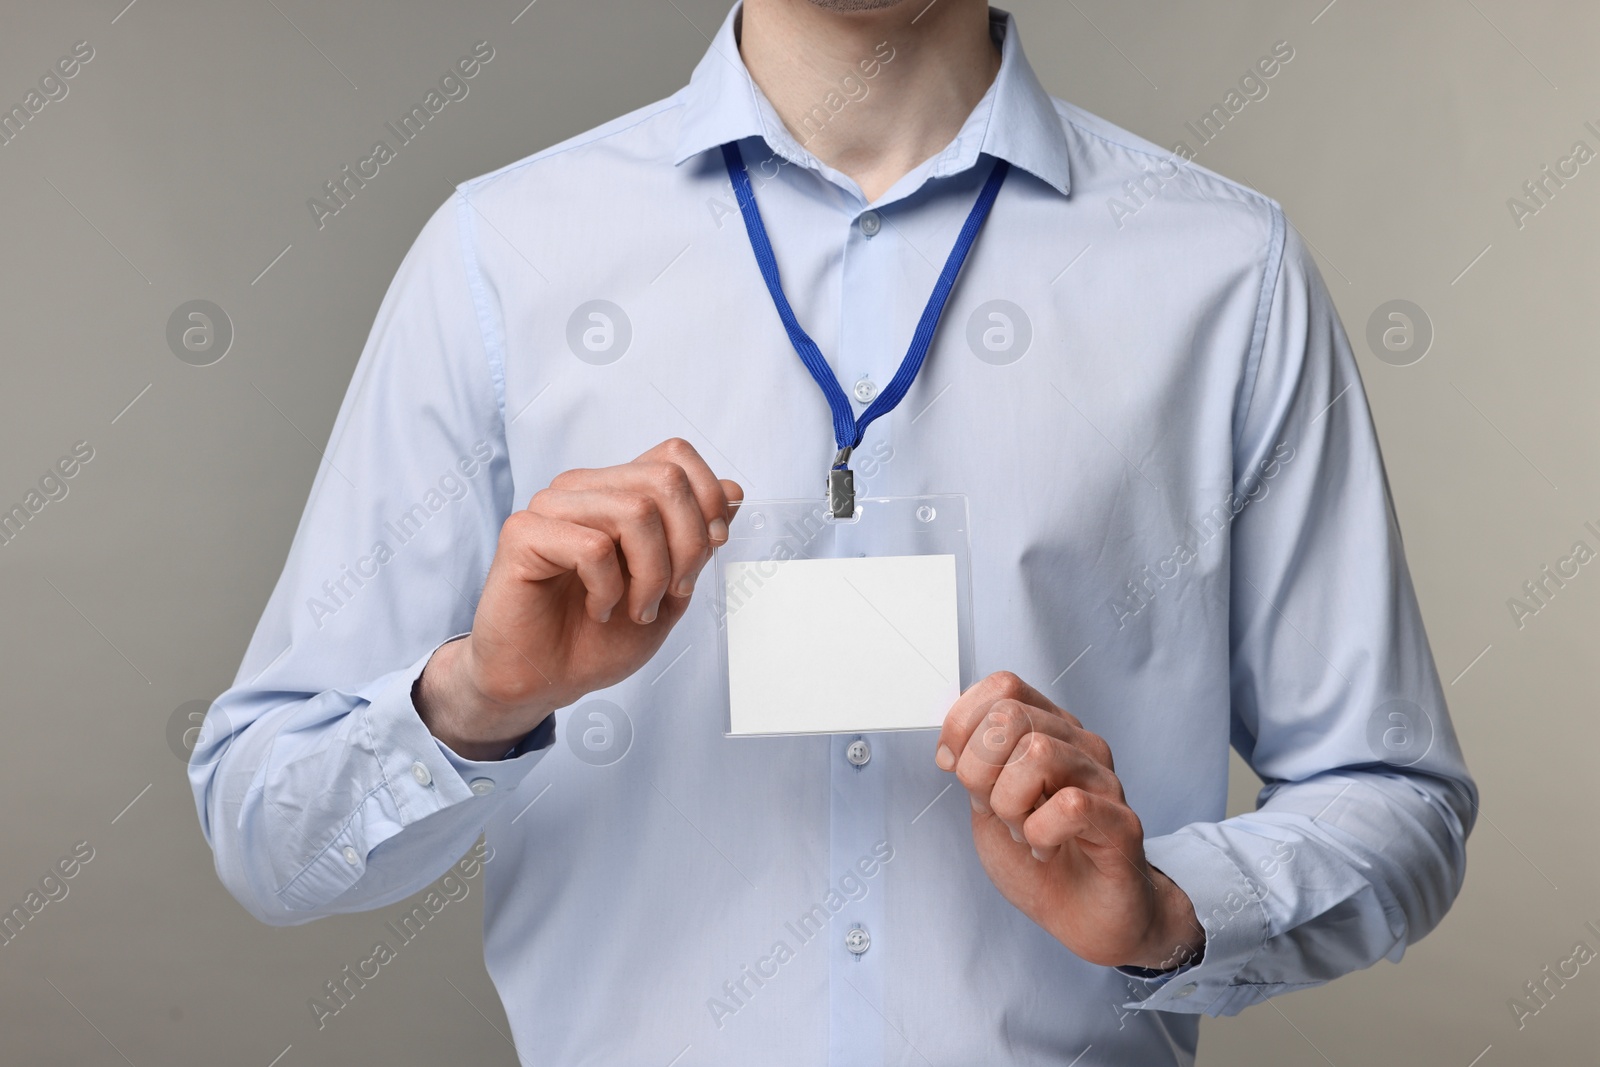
x=847 y=428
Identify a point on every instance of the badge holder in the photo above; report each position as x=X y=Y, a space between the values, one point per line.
x=854 y=625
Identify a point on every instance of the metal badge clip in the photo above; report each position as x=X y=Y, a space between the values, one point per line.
x=841 y=487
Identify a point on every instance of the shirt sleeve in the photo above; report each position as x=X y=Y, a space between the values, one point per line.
x=1358 y=844
x=319 y=788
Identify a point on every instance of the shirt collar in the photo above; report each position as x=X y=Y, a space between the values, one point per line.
x=1016 y=120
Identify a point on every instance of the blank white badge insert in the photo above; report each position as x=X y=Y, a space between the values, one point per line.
x=852 y=645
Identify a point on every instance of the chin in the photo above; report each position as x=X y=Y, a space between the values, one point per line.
x=855 y=5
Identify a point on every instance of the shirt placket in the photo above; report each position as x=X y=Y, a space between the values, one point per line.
x=861 y=943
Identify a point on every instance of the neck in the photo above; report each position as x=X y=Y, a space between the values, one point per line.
x=870 y=87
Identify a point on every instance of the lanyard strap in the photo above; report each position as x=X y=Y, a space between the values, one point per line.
x=847 y=429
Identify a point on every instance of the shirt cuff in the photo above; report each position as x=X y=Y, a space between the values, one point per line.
x=1155 y=977
x=488 y=776
x=415 y=775
x=484 y=776
x=1232 y=915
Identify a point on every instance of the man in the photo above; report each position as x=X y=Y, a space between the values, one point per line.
x=1181 y=538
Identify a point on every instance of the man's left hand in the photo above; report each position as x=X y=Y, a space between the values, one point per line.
x=1055 y=833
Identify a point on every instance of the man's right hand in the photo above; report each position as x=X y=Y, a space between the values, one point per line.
x=584 y=588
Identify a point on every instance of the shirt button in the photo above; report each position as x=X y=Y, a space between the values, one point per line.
x=419 y=771
x=858 y=753
x=871 y=222
x=1185 y=990
x=351 y=856
x=857 y=940
x=865 y=390
x=481 y=786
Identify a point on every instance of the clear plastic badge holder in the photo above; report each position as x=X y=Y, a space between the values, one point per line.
x=854 y=625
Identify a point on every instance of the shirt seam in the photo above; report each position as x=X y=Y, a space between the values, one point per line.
x=383 y=775
x=582 y=140
x=488 y=336
x=1200 y=172
x=1258 y=337
x=1269 y=273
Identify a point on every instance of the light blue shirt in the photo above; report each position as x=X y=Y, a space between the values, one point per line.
x=1181 y=532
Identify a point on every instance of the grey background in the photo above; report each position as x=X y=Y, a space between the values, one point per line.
x=178 y=167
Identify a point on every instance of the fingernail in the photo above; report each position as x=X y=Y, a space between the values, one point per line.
x=978 y=805
x=1016 y=835
x=685 y=587
x=649 y=615
x=945 y=758
x=605 y=616
x=1039 y=855
x=718 y=529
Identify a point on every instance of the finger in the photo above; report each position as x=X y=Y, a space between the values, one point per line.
x=543 y=547
x=710 y=492
x=1110 y=829
x=634 y=522
x=714 y=499
x=970 y=708
x=1043 y=766
x=1040 y=765
x=667 y=484
x=1000 y=736
x=735 y=495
